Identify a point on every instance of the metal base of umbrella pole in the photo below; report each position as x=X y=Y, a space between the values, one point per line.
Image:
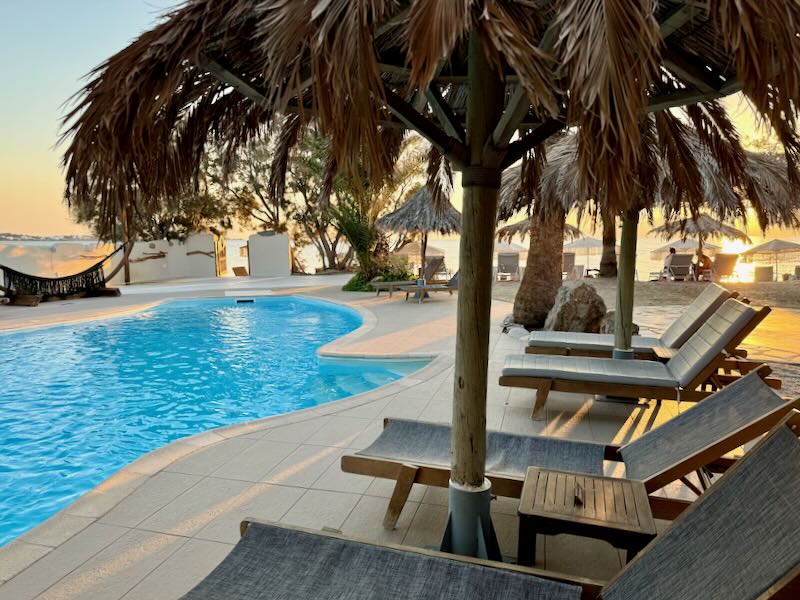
x=469 y=526
x=621 y=354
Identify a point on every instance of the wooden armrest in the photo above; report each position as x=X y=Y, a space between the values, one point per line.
x=663 y=353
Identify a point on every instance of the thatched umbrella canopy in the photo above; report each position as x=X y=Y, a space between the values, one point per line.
x=702 y=227
x=421 y=215
x=223 y=70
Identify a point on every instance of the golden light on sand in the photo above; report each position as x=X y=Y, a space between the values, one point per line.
x=743 y=270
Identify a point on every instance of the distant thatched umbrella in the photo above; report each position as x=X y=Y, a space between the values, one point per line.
x=773 y=250
x=419 y=215
x=523 y=228
x=702 y=228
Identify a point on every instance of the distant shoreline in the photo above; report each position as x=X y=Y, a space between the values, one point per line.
x=23 y=237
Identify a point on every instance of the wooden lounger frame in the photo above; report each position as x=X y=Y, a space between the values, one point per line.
x=439 y=287
x=693 y=392
x=390 y=286
x=406 y=474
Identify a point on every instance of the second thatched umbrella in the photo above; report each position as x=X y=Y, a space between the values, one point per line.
x=702 y=228
x=419 y=216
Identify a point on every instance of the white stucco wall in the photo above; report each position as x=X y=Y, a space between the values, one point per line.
x=269 y=255
x=193 y=258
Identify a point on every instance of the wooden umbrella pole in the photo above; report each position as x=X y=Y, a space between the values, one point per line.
x=626 y=277
x=469 y=529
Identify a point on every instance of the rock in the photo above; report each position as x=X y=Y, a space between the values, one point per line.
x=607 y=326
x=579 y=308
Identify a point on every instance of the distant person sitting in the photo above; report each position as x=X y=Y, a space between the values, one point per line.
x=668 y=263
x=701 y=265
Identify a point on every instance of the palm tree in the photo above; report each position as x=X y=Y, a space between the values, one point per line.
x=608 y=260
x=688 y=174
x=485 y=82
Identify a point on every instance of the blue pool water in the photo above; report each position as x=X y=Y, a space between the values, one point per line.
x=77 y=402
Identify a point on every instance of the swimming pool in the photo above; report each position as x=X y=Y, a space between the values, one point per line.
x=78 y=402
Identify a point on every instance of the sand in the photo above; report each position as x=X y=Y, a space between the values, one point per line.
x=785 y=294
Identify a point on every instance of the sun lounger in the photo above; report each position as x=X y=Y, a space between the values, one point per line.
x=433 y=265
x=723 y=266
x=680 y=268
x=508 y=266
x=677 y=379
x=737 y=541
x=600 y=344
x=567 y=264
x=421 y=291
x=417 y=452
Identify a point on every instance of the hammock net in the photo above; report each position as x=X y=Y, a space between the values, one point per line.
x=18 y=283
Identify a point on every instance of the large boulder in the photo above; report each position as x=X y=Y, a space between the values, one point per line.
x=607 y=326
x=579 y=308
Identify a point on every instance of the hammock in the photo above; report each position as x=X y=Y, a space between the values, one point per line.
x=22 y=284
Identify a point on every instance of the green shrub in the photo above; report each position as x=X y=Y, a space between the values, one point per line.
x=393 y=269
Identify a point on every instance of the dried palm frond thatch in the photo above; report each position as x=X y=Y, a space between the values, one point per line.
x=702 y=227
x=419 y=214
x=223 y=71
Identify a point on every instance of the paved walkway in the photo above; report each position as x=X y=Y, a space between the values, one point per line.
x=158 y=526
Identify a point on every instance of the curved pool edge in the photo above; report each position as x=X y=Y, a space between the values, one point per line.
x=91 y=506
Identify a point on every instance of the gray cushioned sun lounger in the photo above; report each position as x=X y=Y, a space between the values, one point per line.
x=730 y=417
x=678 y=378
x=738 y=541
x=601 y=344
x=274 y=562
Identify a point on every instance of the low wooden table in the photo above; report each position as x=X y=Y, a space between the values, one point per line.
x=606 y=508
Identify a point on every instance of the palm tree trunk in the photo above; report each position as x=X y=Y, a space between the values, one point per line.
x=542 y=277
x=608 y=261
x=623 y=323
x=423 y=250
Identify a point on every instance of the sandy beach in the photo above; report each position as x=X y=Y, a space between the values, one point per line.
x=784 y=294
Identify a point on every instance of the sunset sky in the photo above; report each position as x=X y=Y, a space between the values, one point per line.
x=46 y=49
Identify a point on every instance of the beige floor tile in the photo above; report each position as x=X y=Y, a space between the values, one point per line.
x=506 y=528
x=581 y=556
x=518 y=420
x=335 y=480
x=108 y=494
x=113 y=572
x=365 y=521
x=304 y=466
x=427 y=526
x=151 y=496
x=208 y=460
x=264 y=502
x=369 y=410
x=181 y=571
x=19 y=555
x=339 y=431
x=191 y=511
x=58 y=529
x=317 y=509
x=295 y=432
x=369 y=435
x=255 y=461
x=383 y=488
x=59 y=562
x=405 y=407
x=435 y=495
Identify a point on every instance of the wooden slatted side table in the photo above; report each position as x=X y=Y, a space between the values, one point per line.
x=606 y=508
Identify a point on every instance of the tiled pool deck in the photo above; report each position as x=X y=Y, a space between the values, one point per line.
x=158 y=526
